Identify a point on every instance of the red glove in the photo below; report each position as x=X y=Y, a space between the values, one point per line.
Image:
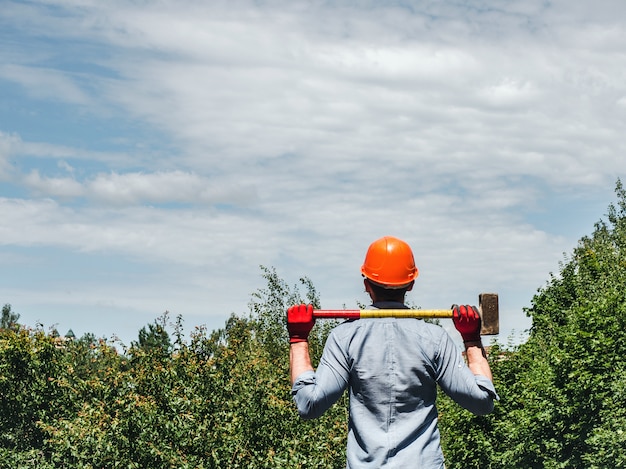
x=300 y=321
x=467 y=321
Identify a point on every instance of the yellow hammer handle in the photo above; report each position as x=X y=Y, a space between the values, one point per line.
x=382 y=313
x=406 y=313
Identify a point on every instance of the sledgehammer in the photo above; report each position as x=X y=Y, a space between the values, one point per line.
x=487 y=308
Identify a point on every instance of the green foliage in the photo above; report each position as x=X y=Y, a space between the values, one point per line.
x=155 y=337
x=579 y=319
x=9 y=318
x=29 y=364
x=563 y=391
x=219 y=399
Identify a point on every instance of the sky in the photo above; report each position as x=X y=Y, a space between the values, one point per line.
x=155 y=154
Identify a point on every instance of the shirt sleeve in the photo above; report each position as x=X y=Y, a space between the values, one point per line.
x=475 y=393
x=315 y=391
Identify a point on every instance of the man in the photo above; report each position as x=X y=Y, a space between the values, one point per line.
x=391 y=367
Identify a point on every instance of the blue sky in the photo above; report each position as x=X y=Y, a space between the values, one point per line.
x=154 y=154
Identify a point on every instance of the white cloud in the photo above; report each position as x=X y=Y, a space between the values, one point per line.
x=7 y=144
x=46 y=83
x=151 y=234
x=164 y=187
x=131 y=189
x=53 y=187
x=13 y=149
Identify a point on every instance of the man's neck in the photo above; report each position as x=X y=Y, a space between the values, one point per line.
x=388 y=304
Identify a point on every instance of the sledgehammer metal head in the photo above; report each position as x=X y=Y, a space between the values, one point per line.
x=487 y=307
x=489 y=313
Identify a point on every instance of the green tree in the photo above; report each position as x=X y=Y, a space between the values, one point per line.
x=579 y=319
x=9 y=318
x=154 y=336
x=220 y=399
x=563 y=392
x=31 y=365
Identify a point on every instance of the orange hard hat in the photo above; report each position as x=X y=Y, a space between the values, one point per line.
x=389 y=262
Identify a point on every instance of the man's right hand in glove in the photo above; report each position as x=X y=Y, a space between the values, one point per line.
x=300 y=321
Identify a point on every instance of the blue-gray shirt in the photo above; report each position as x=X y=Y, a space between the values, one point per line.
x=391 y=368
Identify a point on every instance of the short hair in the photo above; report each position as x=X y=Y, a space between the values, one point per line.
x=388 y=294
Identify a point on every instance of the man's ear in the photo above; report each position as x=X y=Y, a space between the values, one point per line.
x=368 y=288
x=410 y=287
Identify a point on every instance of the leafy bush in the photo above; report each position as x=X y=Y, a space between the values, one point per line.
x=221 y=399
x=563 y=391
